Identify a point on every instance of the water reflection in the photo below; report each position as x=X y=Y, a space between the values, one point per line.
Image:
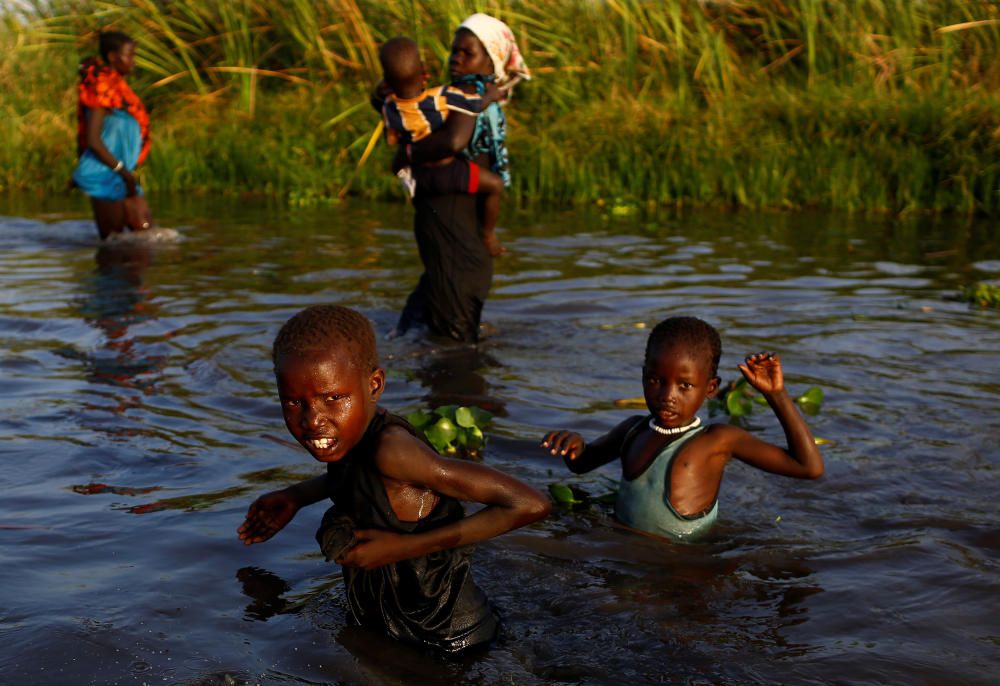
x=116 y=298
x=453 y=374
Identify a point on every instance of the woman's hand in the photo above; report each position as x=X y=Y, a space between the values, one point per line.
x=565 y=443
x=268 y=515
x=763 y=371
x=491 y=95
x=376 y=548
x=130 y=182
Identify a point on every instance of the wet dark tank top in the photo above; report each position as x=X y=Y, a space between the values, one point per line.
x=430 y=600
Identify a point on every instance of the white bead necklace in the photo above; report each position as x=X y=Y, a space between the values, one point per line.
x=695 y=423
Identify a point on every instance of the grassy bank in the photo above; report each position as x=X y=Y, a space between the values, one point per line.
x=859 y=104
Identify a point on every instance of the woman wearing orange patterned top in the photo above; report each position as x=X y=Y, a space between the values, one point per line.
x=112 y=137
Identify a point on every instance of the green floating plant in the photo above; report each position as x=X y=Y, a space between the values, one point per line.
x=738 y=398
x=453 y=430
x=982 y=294
x=564 y=495
x=573 y=496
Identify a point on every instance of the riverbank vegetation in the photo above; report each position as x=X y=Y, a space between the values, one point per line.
x=848 y=104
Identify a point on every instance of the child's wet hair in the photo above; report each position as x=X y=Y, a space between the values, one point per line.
x=401 y=63
x=112 y=41
x=691 y=332
x=323 y=328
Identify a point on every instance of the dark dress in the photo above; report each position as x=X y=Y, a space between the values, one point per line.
x=458 y=269
x=430 y=600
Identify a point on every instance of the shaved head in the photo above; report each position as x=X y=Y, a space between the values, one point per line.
x=401 y=63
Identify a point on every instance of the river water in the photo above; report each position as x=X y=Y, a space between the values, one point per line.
x=138 y=421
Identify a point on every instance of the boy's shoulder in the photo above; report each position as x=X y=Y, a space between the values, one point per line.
x=397 y=446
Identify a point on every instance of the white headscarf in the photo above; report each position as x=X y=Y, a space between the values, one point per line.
x=500 y=44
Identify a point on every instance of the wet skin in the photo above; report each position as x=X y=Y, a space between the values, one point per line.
x=674 y=388
x=327 y=401
x=675 y=383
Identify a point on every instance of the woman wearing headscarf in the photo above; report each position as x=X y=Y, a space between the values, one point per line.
x=458 y=268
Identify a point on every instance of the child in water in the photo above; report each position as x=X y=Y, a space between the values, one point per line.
x=672 y=466
x=411 y=112
x=397 y=527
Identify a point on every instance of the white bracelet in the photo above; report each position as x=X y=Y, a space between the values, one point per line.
x=118 y=167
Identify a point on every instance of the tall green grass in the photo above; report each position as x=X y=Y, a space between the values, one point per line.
x=852 y=104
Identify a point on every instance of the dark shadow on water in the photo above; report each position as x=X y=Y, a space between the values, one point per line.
x=265 y=589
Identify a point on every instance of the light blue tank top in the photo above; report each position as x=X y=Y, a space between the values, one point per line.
x=644 y=502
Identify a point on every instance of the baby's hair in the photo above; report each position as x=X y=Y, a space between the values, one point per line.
x=691 y=332
x=112 y=41
x=401 y=63
x=324 y=328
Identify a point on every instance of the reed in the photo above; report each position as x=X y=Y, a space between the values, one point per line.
x=851 y=104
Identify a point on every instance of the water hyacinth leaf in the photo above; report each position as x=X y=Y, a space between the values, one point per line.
x=441 y=433
x=563 y=494
x=480 y=416
x=811 y=400
x=474 y=439
x=419 y=419
x=631 y=403
x=737 y=404
x=813 y=395
x=464 y=417
x=447 y=411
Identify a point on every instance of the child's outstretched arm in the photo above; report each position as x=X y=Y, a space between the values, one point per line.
x=272 y=512
x=802 y=458
x=582 y=457
x=403 y=458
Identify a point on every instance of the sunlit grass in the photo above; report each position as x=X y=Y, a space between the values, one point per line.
x=858 y=104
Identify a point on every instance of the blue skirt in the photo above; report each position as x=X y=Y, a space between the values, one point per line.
x=122 y=137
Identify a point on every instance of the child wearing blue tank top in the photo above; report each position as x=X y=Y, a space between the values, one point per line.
x=672 y=465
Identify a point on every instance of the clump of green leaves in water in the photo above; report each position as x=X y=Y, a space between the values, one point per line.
x=574 y=497
x=738 y=398
x=982 y=294
x=453 y=430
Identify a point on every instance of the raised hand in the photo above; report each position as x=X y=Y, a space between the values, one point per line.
x=492 y=94
x=564 y=443
x=763 y=371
